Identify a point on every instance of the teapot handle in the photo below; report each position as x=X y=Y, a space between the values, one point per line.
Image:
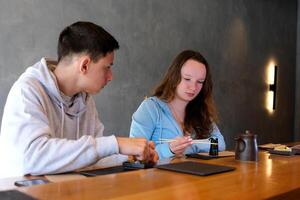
x=242 y=147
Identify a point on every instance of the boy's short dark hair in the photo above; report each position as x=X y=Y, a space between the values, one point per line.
x=85 y=37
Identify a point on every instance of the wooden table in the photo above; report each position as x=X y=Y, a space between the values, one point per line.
x=272 y=175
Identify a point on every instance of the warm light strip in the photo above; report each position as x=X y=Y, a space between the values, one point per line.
x=271 y=73
x=272 y=84
x=269 y=102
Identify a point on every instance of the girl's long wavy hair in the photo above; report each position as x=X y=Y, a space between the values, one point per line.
x=200 y=113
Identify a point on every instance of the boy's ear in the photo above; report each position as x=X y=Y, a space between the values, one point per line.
x=84 y=64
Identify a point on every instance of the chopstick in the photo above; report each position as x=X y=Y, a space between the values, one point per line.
x=163 y=140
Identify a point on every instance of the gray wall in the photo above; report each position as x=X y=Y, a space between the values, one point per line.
x=238 y=38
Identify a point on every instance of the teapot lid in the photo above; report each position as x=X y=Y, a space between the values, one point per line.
x=248 y=133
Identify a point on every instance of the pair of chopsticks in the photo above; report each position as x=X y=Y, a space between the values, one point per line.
x=163 y=140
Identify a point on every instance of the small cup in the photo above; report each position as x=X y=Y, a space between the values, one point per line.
x=214 y=148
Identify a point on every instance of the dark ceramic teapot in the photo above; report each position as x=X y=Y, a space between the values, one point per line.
x=246 y=147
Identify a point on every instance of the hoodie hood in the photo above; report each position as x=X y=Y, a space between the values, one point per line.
x=43 y=72
x=161 y=104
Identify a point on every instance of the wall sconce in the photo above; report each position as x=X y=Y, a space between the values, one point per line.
x=272 y=82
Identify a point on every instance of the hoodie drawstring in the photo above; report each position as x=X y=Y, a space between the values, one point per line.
x=62 y=120
x=77 y=132
x=159 y=122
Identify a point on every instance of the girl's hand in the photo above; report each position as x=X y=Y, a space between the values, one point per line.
x=180 y=144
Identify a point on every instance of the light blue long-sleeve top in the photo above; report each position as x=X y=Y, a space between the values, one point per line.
x=153 y=120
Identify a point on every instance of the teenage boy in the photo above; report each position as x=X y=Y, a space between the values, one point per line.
x=50 y=123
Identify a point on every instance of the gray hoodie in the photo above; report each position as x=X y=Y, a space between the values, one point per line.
x=46 y=132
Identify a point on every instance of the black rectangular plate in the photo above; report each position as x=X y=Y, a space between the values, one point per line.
x=196 y=168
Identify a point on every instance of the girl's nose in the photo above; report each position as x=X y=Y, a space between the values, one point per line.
x=193 y=86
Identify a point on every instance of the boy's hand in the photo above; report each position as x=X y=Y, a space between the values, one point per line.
x=140 y=148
